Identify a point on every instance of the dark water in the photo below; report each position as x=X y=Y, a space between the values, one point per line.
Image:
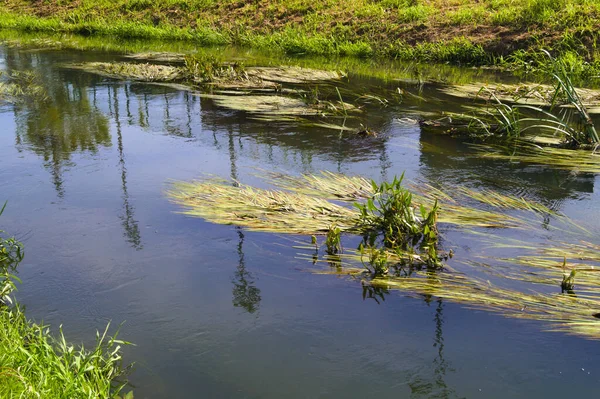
x=218 y=312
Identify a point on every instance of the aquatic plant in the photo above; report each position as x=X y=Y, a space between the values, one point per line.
x=384 y=210
x=145 y=72
x=221 y=202
x=11 y=254
x=575 y=160
x=565 y=90
x=568 y=281
x=20 y=86
x=390 y=210
x=404 y=221
x=308 y=204
x=203 y=68
x=559 y=111
x=333 y=240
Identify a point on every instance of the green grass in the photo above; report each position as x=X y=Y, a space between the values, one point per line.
x=37 y=364
x=458 y=31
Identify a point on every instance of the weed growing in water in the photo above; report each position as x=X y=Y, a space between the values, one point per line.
x=377 y=259
x=207 y=68
x=11 y=254
x=390 y=211
x=333 y=240
x=568 y=281
x=564 y=114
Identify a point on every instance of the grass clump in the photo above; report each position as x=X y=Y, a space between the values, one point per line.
x=559 y=111
x=415 y=30
x=37 y=364
x=390 y=218
x=381 y=212
x=390 y=212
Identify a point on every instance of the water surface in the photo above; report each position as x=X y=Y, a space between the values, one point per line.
x=219 y=312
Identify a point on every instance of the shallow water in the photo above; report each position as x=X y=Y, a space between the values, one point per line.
x=216 y=311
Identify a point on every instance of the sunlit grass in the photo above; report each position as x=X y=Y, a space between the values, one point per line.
x=432 y=30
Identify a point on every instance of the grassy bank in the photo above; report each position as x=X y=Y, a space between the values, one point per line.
x=459 y=31
x=37 y=364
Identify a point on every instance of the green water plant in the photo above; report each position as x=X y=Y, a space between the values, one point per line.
x=333 y=240
x=403 y=224
x=565 y=90
x=568 y=280
x=562 y=112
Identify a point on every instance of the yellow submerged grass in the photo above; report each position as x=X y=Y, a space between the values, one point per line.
x=261 y=210
x=303 y=205
x=531 y=94
x=336 y=186
x=582 y=161
x=133 y=71
x=566 y=313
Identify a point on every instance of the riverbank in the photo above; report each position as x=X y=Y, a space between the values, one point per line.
x=490 y=32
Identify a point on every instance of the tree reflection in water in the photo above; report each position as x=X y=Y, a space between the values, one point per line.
x=245 y=294
x=130 y=225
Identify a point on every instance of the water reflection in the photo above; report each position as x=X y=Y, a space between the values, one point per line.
x=245 y=294
x=65 y=124
x=436 y=387
x=128 y=221
x=441 y=163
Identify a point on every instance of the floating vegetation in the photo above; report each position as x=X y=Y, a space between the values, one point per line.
x=387 y=216
x=133 y=71
x=578 y=161
x=400 y=246
x=453 y=201
x=21 y=86
x=222 y=202
x=527 y=94
x=562 y=312
x=158 y=56
x=560 y=111
x=295 y=75
x=277 y=105
x=234 y=86
x=573 y=309
x=205 y=69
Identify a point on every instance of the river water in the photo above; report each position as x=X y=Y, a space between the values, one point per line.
x=219 y=312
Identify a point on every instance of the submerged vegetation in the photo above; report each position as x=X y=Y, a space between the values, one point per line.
x=20 y=86
x=401 y=240
x=559 y=111
x=270 y=92
x=37 y=364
